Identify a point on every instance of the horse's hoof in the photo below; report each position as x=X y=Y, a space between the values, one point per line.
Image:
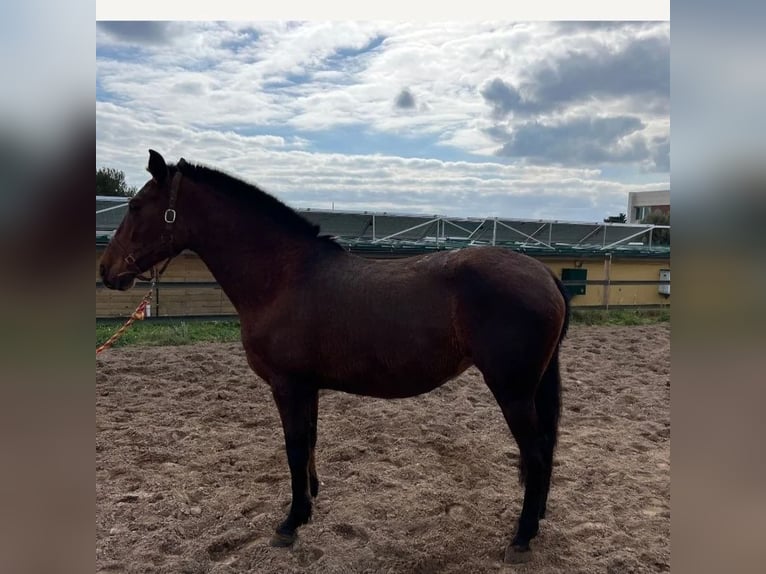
x=517 y=554
x=280 y=540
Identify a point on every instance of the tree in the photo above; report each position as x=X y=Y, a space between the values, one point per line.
x=659 y=236
x=616 y=219
x=110 y=181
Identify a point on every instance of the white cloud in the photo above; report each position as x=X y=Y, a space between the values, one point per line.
x=193 y=89
x=393 y=183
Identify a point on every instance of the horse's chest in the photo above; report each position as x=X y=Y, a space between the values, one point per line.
x=259 y=364
x=278 y=353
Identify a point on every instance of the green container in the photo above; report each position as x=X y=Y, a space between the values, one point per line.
x=574 y=280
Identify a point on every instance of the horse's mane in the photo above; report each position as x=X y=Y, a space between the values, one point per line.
x=252 y=197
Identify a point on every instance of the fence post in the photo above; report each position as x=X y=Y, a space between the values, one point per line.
x=608 y=278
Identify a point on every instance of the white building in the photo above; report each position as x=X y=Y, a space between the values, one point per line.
x=642 y=203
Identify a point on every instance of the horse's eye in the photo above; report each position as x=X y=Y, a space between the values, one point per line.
x=134 y=207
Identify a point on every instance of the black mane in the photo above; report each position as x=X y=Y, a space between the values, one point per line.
x=252 y=197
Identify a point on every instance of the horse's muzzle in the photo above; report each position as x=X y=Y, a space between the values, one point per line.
x=120 y=282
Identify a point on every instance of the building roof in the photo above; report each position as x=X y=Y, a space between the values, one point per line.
x=389 y=233
x=649 y=198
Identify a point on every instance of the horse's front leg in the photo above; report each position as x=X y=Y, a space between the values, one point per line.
x=295 y=403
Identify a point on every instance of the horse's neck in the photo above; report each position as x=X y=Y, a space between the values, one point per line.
x=251 y=260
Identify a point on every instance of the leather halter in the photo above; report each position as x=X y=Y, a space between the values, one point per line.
x=166 y=239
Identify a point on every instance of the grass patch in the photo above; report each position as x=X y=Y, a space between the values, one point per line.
x=188 y=332
x=170 y=333
x=620 y=316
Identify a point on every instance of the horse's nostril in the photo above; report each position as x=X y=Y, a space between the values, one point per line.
x=101 y=270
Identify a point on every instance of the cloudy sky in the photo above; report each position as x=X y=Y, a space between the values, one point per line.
x=549 y=120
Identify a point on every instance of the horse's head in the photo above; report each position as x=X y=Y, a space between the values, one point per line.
x=148 y=233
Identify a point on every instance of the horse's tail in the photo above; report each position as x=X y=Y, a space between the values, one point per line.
x=548 y=400
x=567 y=307
x=548 y=397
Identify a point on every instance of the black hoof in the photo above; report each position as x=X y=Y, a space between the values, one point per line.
x=517 y=553
x=282 y=539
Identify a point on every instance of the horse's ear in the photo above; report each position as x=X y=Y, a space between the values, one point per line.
x=157 y=167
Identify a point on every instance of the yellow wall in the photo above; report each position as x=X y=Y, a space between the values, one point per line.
x=618 y=270
x=196 y=300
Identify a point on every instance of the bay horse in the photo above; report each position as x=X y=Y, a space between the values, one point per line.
x=314 y=316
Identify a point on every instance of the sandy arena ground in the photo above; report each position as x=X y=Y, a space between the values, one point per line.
x=192 y=477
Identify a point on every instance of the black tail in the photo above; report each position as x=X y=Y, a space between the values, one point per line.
x=548 y=399
x=567 y=307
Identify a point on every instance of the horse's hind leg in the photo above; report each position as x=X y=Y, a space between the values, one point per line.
x=548 y=406
x=521 y=416
x=295 y=403
x=515 y=396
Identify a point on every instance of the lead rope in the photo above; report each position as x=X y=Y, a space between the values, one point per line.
x=138 y=314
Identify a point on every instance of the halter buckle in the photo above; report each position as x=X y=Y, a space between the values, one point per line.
x=170 y=215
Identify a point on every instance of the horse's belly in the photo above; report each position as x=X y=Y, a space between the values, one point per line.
x=390 y=383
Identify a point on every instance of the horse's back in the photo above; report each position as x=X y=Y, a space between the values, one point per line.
x=496 y=278
x=472 y=286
